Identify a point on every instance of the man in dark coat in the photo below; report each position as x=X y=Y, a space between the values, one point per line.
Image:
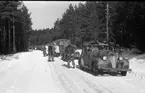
x=64 y=53
x=44 y=51
x=70 y=50
x=50 y=53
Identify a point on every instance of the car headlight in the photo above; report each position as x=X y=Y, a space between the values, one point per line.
x=120 y=58
x=104 y=58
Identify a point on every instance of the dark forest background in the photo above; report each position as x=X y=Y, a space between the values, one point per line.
x=85 y=22
x=15 y=23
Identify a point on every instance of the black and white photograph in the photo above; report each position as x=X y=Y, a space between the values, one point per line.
x=72 y=47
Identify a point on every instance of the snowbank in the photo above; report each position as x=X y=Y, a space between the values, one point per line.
x=9 y=61
x=138 y=67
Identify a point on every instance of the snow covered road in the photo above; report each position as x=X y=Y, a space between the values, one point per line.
x=31 y=73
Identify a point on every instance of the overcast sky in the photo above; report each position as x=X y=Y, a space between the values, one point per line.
x=45 y=13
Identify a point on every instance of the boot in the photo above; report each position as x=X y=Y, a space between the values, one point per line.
x=68 y=64
x=49 y=58
x=52 y=58
x=73 y=63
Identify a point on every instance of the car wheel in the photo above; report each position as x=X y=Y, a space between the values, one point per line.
x=123 y=73
x=80 y=64
x=94 y=69
x=100 y=72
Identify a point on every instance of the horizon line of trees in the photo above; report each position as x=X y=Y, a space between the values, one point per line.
x=87 y=22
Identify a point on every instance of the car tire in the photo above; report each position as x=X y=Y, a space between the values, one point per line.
x=100 y=72
x=80 y=64
x=123 y=73
x=94 y=69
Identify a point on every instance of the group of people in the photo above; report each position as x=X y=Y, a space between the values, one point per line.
x=67 y=54
x=51 y=50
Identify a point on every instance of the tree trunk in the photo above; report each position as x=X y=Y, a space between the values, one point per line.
x=14 y=35
x=4 y=41
x=1 y=39
x=9 y=39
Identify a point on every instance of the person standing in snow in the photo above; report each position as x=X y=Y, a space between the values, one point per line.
x=50 y=53
x=44 y=51
x=61 y=47
x=57 y=49
x=70 y=50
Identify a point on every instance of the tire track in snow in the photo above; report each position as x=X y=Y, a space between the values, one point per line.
x=71 y=80
x=76 y=78
x=135 y=75
x=86 y=83
x=67 y=79
x=113 y=83
x=55 y=77
x=95 y=86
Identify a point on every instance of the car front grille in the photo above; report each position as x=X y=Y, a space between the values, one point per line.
x=120 y=65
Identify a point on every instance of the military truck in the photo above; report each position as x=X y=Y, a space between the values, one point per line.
x=103 y=60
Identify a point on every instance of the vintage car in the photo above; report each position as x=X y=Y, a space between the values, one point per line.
x=103 y=60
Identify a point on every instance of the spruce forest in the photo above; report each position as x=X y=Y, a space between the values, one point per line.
x=85 y=22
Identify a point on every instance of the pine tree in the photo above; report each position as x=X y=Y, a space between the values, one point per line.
x=12 y=24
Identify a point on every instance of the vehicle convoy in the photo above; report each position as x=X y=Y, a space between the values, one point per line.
x=103 y=59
